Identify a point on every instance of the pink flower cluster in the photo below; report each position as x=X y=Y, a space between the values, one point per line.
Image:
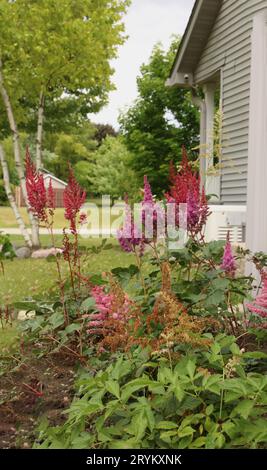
x=104 y=303
x=130 y=236
x=228 y=262
x=153 y=216
x=259 y=306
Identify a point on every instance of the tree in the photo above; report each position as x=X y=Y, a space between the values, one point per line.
x=111 y=173
x=102 y=131
x=161 y=120
x=50 y=49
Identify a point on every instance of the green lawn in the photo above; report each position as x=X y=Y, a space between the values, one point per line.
x=7 y=219
x=36 y=277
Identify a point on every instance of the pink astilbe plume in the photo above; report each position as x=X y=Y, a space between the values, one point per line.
x=228 y=262
x=259 y=306
x=153 y=215
x=35 y=187
x=74 y=197
x=129 y=236
x=104 y=305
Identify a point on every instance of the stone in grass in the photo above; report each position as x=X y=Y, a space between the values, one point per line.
x=23 y=252
x=25 y=315
x=45 y=252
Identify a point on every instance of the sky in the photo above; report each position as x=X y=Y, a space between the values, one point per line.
x=147 y=22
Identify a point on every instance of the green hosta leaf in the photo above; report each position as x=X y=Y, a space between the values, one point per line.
x=113 y=388
x=243 y=409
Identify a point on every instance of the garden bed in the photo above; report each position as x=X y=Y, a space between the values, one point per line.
x=34 y=389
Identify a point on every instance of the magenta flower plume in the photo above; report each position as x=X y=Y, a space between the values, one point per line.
x=129 y=236
x=35 y=187
x=259 y=306
x=148 y=197
x=228 y=261
x=153 y=215
x=74 y=197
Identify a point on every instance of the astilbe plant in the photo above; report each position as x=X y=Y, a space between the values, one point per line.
x=153 y=215
x=42 y=203
x=228 y=262
x=259 y=305
x=110 y=323
x=73 y=197
x=185 y=188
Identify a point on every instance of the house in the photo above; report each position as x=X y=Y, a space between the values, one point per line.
x=224 y=51
x=58 y=187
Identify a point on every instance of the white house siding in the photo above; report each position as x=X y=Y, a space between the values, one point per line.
x=229 y=49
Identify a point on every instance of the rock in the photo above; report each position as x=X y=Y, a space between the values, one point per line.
x=23 y=252
x=25 y=315
x=45 y=252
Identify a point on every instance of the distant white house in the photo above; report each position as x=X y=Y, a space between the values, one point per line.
x=224 y=49
x=58 y=186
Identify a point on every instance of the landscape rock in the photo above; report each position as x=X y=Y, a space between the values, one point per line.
x=23 y=252
x=25 y=315
x=45 y=252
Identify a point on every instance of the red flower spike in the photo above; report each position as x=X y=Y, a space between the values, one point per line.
x=74 y=197
x=51 y=197
x=35 y=189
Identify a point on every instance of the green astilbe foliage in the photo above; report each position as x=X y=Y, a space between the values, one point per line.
x=206 y=400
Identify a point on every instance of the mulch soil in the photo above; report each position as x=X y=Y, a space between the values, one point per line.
x=34 y=389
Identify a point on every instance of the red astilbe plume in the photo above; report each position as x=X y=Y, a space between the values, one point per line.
x=35 y=189
x=186 y=189
x=51 y=198
x=74 y=197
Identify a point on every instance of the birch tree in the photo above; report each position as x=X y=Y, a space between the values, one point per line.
x=50 y=50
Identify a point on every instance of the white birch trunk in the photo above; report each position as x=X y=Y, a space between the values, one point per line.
x=11 y=199
x=18 y=161
x=40 y=126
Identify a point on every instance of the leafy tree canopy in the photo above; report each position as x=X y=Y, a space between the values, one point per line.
x=111 y=173
x=60 y=48
x=161 y=120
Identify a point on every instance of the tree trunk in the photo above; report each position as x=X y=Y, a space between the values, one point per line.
x=18 y=162
x=11 y=199
x=40 y=126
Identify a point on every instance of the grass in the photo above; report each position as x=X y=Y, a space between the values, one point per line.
x=8 y=339
x=96 y=217
x=37 y=277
